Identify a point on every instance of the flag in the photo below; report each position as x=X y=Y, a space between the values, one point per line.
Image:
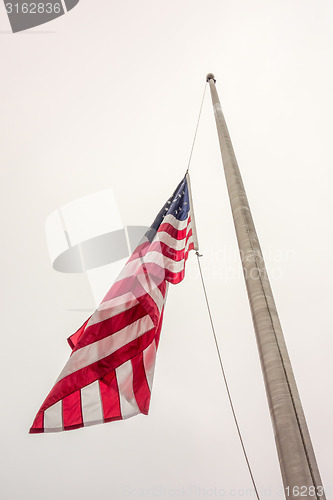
x=109 y=374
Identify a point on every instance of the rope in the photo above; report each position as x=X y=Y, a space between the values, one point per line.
x=225 y=379
x=212 y=324
x=196 y=129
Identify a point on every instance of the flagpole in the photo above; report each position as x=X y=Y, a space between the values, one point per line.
x=298 y=464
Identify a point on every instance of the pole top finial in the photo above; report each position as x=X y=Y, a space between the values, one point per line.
x=210 y=76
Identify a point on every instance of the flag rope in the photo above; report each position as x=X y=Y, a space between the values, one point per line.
x=196 y=129
x=225 y=378
x=212 y=323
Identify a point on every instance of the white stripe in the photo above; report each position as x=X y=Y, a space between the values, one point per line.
x=177 y=224
x=166 y=291
x=53 y=418
x=116 y=301
x=104 y=347
x=112 y=307
x=166 y=238
x=152 y=290
x=153 y=257
x=190 y=240
x=149 y=358
x=128 y=404
x=92 y=411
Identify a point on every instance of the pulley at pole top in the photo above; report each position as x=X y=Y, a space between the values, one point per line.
x=210 y=76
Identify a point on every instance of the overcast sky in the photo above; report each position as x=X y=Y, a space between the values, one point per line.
x=108 y=96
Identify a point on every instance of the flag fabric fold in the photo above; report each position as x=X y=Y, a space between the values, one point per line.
x=109 y=374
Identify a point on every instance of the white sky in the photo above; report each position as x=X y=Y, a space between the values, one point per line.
x=108 y=96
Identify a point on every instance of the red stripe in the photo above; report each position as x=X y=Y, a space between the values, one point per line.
x=97 y=370
x=175 y=278
x=159 y=328
x=120 y=287
x=72 y=411
x=149 y=304
x=75 y=337
x=110 y=397
x=167 y=251
x=178 y=234
x=146 y=246
x=156 y=272
x=159 y=273
x=189 y=234
x=162 y=288
x=152 y=268
x=131 y=284
x=139 y=251
x=110 y=326
x=140 y=384
x=38 y=425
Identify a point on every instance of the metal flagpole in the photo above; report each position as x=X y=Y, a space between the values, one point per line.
x=298 y=464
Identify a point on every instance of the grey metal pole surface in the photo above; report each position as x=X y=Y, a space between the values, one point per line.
x=298 y=464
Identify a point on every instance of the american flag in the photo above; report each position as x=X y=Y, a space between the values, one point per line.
x=109 y=374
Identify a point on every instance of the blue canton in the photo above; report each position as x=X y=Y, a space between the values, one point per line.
x=177 y=205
